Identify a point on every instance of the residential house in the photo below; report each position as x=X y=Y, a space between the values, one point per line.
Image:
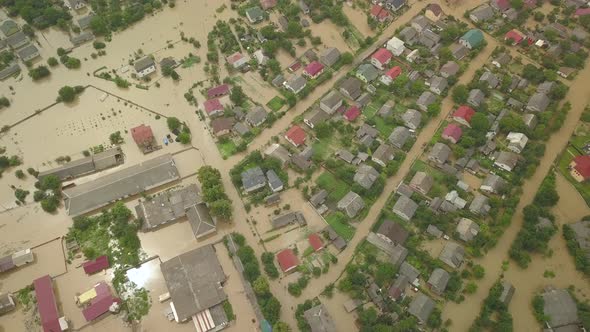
x=28 y=53
x=392 y=232
x=422 y=182
x=278 y=81
x=463 y=115
x=213 y=107
x=467 y=229
x=10 y=70
x=410 y=272
x=451 y=68
x=386 y=109
x=514 y=36
x=581 y=230
x=530 y=121
x=241 y=129
x=319 y=320
x=331 y=102
x=452 y=254
x=287 y=260
x=330 y=56
x=396 y=46
x=217 y=91
x=366 y=73
x=295 y=84
x=352 y=113
x=274 y=182
x=517 y=141
x=17 y=40
x=506 y=160
x=580 y=168
x=538 y=103
x=313 y=70
x=412 y=119
x=390 y=75
x=409 y=35
x=222 y=126
x=75 y=4
x=253 y=179
x=319 y=198
x=260 y=57
x=433 y=12
x=82 y=38
x=561 y=310
x=379 y=13
x=237 y=60
x=472 y=39
x=351 y=88
x=7 y=303
x=315 y=117
x=256 y=116
x=491 y=79
x=144 y=138
x=421 y=307
x=425 y=100
x=459 y=51
x=366 y=134
x=438 y=85
x=440 y=153
x=303 y=160
x=383 y=155
x=365 y=176
x=546 y=87
x=398 y=255
x=434 y=231
x=9 y=27
x=452 y=133
x=399 y=136
x=502 y=59
x=565 y=72
x=268 y=4
x=507 y=293
x=255 y=14
x=420 y=23
x=405 y=208
x=511 y=14
x=278 y=152
x=481 y=14
x=289 y=218
x=493 y=184
x=351 y=204
x=429 y=39
x=476 y=97
x=394 y=5
x=296 y=135
x=438 y=281
x=304 y=7
x=84 y=22
x=144 y=66
x=284 y=23
x=500 y=5
x=480 y=205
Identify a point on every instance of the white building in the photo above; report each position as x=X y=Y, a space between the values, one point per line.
x=396 y=46
x=517 y=141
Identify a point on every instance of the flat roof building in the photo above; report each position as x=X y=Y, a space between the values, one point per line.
x=87 y=165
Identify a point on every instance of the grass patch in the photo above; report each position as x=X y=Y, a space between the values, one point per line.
x=336 y=188
x=323 y=148
x=370 y=110
x=227 y=148
x=229 y=310
x=338 y=221
x=190 y=61
x=276 y=103
x=383 y=127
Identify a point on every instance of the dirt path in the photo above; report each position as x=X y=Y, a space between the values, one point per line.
x=463 y=314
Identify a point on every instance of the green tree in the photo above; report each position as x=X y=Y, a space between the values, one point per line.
x=173 y=123
x=184 y=137
x=52 y=62
x=346 y=58
x=50 y=182
x=460 y=94
x=271 y=309
x=39 y=73
x=281 y=327
x=237 y=95
x=478 y=271
x=116 y=138
x=384 y=274
x=480 y=122
x=221 y=208
x=261 y=286
x=66 y=94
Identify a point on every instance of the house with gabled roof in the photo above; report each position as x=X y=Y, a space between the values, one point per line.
x=422 y=182
x=351 y=204
x=452 y=133
x=463 y=115
x=399 y=136
x=296 y=135
x=452 y=254
x=426 y=99
x=467 y=229
x=256 y=116
x=405 y=208
x=383 y=155
x=439 y=278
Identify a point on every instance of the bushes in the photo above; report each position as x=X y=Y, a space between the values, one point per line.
x=269 y=265
x=580 y=255
x=39 y=73
x=494 y=315
x=214 y=193
x=67 y=93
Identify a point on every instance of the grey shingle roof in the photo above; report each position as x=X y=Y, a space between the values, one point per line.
x=421 y=307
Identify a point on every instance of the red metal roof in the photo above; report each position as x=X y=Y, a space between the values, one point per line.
x=435 y=9
x=452 y=131
x=141 y=134
x=379 y=13
x=220 y=90
x=267 y=4
x=99 y=264
x=313 y=68
x=582 y=12
x=352 y=113
x=296 y=135
x=212 y=105
x=583 y=166
x=464 y=112
x=234 y=58
x=315 y=242
x=382 y=55
x=99 y=306
x=46 y=304
x=295 y=66
x=503 y=5
x=394 y=72
x=287 y=260
x=514 y=35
